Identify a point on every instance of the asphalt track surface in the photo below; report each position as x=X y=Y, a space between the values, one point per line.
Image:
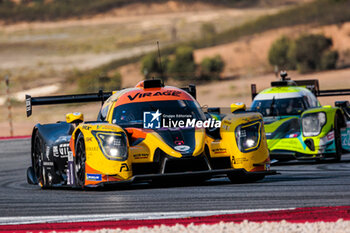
x=300 y=184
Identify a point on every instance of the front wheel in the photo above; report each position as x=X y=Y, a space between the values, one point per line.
x=37 y=158
x=337 y=140
x=80 y=158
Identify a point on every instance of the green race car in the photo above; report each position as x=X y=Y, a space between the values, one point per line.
x=297 y=126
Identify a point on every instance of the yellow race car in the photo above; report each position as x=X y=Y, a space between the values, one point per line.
x=148 y=133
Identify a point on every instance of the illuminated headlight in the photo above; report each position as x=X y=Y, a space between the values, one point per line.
x=312 y=123
x=248 y=136
x=113 y=145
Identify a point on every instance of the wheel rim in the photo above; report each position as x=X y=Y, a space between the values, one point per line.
x=80 y=162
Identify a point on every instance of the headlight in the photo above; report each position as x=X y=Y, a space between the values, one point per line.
x=248 y=136
x=312 y=123
x=113 y=145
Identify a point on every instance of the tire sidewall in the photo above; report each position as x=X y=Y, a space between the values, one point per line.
x=80 y=139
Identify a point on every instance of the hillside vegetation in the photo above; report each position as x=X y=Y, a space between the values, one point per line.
x=319 y=12
x=39 y=10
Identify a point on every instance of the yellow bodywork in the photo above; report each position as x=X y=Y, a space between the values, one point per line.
x=257 y=159
x=254 y=160
x=74 y=117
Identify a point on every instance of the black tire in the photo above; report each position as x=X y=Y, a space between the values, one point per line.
x=248 y=178
x=80 y=158
x=37 y=158
x=337 y=140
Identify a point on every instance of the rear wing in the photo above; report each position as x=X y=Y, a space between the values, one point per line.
x=311 y=84
x=81 y=98
x=65 y=99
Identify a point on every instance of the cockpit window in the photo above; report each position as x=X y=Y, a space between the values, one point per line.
x=132 y=113
x=279 y=107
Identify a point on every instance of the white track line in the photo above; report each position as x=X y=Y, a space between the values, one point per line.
x=126 y=216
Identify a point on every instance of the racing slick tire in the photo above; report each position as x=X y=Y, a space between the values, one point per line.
x=248 y=178
x=80 y=158
x=37 y=158
x=337 y=140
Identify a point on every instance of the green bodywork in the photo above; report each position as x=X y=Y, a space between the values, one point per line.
x=293 y=143
x=285 y=134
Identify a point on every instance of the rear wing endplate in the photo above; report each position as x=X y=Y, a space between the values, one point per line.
x=191 y=89
x=65 y=99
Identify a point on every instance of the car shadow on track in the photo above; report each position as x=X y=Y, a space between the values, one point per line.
x=308 y=162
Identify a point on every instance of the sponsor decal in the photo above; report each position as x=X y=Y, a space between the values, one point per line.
x=152 y=120
x=94 y=177
x=48 y=163
x=158 y=93
x=124 y=166
x=70 y=169
x=219 y=150
x=330 y=136
x=70 y=156
x=92 y=148
x=55 y=151
x=141 y=156
x=179 y=142
x=241 y=160
x=182 y=148
x=108 y=127
x=63 y=150
x=48 y=153
x=88 y=139
x=28 y=104
x=86 y=127
x=293 y=135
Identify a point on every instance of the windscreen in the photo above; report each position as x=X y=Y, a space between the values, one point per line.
x=279 y=107
x=132 y=113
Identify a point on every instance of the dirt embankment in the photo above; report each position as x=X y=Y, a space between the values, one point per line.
x=249 y=55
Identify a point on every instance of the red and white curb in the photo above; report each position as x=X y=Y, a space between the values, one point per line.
x=132 y=221
x=14 y=137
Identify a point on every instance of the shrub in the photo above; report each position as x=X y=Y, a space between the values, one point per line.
x=151 y=67
x=278 y=53
x=96 y=80
x=329 y=60
x=308 y=50
x=182 y=67
x=211 y=68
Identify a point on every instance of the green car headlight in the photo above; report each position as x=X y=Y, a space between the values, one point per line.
x=248 y=136
x=312 y=123
x=112 y=144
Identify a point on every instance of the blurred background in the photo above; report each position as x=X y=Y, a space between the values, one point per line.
x=51 y=47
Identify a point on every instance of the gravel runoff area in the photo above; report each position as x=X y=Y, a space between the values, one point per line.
x=339 y=226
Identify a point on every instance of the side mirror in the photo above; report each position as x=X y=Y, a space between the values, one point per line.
x=238 y=107
x=76 y=117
